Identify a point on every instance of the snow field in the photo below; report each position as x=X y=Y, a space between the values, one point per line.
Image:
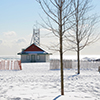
x=37 y=82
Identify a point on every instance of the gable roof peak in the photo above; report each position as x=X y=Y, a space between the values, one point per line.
x=33 y=47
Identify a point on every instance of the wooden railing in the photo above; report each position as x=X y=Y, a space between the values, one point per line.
x=10 y=65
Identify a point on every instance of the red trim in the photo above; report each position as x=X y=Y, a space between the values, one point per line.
x=33 y=47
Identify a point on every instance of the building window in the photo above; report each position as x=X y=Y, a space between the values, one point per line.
x=38 y=57
x=28 y=57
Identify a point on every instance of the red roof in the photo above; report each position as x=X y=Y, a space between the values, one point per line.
x=33 y=47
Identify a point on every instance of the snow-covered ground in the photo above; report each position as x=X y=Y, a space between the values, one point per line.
x=37 y=82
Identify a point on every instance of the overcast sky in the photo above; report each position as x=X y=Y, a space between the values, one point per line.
x=17 y=20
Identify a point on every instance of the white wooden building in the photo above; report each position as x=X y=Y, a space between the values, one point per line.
x=33 y=53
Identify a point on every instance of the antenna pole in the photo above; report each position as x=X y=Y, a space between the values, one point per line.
x=35 y=37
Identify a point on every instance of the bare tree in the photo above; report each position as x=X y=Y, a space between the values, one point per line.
x=82 y=34
x=58 y=14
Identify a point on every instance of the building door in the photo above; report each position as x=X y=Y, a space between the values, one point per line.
x=32 y=58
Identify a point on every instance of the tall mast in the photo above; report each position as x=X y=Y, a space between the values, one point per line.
x=35 y=37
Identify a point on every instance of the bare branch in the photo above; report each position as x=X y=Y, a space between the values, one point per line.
x=49 y=9
x=54 y=4
x=47 y=13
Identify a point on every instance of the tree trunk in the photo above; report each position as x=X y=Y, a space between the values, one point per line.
x=78 y=60
x=77 y=38
x=61 y=47
x=61 y=64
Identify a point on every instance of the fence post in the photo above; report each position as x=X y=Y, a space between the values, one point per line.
x=7 y=65
x=0 y=65
x=19 y=63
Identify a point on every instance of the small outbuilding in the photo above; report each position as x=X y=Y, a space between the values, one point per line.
x=34 y=53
